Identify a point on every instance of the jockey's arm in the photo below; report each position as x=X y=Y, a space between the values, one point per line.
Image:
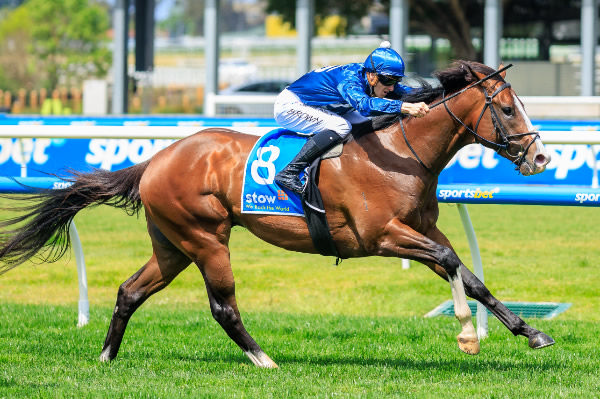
x=415 y=109
x=418 y=110
x=366 y=105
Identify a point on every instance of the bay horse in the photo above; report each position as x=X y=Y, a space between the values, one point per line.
x=379 y=195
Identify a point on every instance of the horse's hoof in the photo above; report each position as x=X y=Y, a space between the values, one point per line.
x=260 y=359
x=468 y=345
x=540 y=340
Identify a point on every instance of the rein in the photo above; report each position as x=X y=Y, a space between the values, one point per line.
x=519 y=155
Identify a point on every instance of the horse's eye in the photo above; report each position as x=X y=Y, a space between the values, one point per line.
x=508 y=111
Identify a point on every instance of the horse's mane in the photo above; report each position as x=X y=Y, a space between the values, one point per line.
x=457 y=76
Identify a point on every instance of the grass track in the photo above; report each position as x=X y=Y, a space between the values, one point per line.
x=181 y=354
x=351 y=331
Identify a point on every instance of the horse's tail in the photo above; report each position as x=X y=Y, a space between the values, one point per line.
x=43 y=228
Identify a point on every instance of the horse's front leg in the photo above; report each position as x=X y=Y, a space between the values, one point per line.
x=475 y=289
x=402 y=241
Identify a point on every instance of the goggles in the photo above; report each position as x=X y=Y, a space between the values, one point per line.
x=389 y=80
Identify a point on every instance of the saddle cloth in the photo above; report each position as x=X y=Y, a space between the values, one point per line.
x=260 y=193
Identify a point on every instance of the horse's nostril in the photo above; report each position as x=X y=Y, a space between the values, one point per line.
x=541 y=160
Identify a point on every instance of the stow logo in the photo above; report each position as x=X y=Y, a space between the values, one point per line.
x=281 y=195
x=469 y=193
x=587 y=197
x=260 y=199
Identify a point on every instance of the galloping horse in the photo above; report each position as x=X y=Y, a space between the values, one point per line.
x=191 y=193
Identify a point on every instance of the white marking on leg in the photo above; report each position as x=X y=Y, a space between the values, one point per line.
x=105 y=355
x=467 y=339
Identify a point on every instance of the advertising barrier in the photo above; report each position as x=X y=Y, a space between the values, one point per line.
x=572 y=164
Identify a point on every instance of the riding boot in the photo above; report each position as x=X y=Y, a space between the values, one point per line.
x=316 y=146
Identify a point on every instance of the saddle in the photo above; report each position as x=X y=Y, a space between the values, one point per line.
x=312 y=203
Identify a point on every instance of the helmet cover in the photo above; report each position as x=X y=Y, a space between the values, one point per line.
x=385 y=61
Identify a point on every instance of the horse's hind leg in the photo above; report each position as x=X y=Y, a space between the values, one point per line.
x=164 y=265
x=475 y=289
x=213 y=261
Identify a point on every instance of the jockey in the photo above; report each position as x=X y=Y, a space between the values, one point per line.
x=324 y=104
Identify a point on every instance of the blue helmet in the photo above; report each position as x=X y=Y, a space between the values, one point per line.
x=385 y=61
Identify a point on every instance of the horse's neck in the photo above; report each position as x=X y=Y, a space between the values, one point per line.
x=437 y=137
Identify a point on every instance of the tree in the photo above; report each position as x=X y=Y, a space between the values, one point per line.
x=439 y=19
x=187 y=17
x=460 y=21
x=67 y=40
x=16 y=70
x=448 y=20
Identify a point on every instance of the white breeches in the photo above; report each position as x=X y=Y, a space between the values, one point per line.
x=291 y=113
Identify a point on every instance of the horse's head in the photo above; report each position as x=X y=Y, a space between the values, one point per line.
x=498 y=119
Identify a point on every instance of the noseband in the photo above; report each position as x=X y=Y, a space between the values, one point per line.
x=518 y=154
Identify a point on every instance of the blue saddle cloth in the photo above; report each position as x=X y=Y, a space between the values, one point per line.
x=260 y=193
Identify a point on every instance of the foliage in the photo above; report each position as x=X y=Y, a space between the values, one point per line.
x=447 y=19
x=58 y=42
x=16 y=66
x=458 y=21
x=187 y=17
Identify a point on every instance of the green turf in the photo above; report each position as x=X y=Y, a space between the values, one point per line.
x=355 y=330
x=175 y=353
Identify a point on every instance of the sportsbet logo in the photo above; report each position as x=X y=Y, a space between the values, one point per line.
x=468 y=193
x=587 y=197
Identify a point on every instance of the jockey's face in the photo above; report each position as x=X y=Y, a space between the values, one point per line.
x=380 y=90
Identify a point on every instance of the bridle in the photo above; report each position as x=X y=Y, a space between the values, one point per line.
x=518 y=154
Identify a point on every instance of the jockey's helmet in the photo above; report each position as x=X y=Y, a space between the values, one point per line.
x=385 y=61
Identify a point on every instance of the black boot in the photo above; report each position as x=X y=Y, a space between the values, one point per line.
x=316 y=146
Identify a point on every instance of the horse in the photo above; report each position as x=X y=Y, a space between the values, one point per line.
x=379 y=197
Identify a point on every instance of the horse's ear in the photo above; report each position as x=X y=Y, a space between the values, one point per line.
x=503 y=73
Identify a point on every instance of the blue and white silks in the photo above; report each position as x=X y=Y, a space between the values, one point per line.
x=260 y=193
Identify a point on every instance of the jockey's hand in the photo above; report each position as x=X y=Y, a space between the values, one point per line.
x=417 y=110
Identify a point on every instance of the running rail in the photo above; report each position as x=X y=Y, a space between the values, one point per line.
x=29 y=185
